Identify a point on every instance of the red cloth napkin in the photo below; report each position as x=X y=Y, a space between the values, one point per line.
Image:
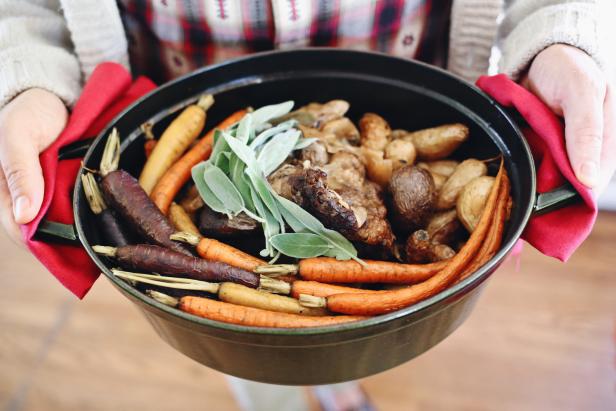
x=108 y=91
x=557 y=233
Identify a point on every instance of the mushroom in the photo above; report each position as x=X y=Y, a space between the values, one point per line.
x=413 y=196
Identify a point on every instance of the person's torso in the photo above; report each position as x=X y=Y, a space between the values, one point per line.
x=168 y=38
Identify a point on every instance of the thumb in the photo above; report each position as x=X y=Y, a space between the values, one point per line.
x=584 y=135
x=24 y=177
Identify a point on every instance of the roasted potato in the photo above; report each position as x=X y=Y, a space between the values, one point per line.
x=444 y=227
x=401 y=152
x=374 y=131
x=472 y=201
x=442 y=167
x=421 y=249
x=438 y=142
x=463 y=174
x=378 y=169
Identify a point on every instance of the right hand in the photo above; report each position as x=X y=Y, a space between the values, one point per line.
x=28 y=125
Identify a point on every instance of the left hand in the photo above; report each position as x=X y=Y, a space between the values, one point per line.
x=570 y=82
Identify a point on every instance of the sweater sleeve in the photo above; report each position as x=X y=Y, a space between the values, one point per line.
x=529 y=26
x=35 y=50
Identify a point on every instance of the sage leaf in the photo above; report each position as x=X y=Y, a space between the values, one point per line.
x=298 y=218
x=222 y=161
x=276 y=151
x=242 y=151
x=304 y=142
x=262 y=188
x=300 y=245
x=204 y=191
x=266 y=113
x=236 y=172
x=270 y=132
x=270 y=223
x=301 y=220
x=223 y=189
x=220 y=145
x=243 y=129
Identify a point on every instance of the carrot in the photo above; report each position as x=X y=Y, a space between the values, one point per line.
x=150 y=141
x=182 y=131
x=175 y=177
x=391 y=300
x=107 y=221
x=160 y=260
x=322 y=289
x=125 y=196
x=229 y=292
x=192 y=201
x=240 y=295
x=181 y=220
x=330 y=270
x=235 y=314
x=214 y=250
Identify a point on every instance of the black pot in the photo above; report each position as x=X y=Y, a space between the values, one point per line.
x=409 y=95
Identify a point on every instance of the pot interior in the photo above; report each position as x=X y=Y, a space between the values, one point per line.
x=409 y=95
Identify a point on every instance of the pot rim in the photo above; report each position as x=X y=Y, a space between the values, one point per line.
x=470 y=282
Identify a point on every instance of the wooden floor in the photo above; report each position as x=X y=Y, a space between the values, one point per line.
x=542 y=337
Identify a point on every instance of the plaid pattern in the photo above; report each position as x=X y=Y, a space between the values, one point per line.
x=168 y=38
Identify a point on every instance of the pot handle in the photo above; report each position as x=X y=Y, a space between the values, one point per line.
x=558 y=198
x=51 y=231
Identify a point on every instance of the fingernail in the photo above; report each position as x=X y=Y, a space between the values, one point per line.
x=20 y=206
x=589 y=174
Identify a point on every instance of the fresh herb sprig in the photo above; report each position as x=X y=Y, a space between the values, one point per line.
x=234 y=180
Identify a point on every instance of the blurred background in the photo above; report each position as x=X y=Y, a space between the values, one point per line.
x=543 y=337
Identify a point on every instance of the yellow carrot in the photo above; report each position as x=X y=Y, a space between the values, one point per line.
x=178 y=136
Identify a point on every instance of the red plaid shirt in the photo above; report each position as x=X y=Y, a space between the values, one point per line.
x=168 y=38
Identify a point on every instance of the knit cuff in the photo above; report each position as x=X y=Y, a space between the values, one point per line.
x=575 y=25
x=30 y=66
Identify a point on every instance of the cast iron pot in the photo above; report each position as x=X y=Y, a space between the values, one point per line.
x=410 y=95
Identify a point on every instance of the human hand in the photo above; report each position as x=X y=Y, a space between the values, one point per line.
x=570 y=82
x=28 y=125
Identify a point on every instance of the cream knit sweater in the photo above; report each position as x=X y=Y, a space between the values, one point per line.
x=55 y=44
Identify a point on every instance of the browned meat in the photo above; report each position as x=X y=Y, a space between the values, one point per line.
x=340 y=197
x=217 y=225
x=283 y=181
x=316 y=153
x=345 y=170
x=326 y=112
x=343 y=128
x=324 y=203
x=369 y=200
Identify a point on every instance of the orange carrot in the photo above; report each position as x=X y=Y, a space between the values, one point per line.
x=214 y=250
x=236 y=314
x=386 y=301
x=322 y=289
x=148 y=147
x=179 y=173
x=178 y=136
x=150 y=141
x=330 y=270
